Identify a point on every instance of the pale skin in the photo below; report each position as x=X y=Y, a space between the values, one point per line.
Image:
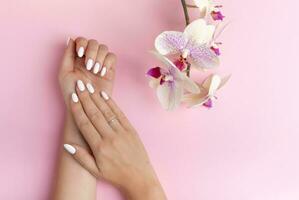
x=110 y=148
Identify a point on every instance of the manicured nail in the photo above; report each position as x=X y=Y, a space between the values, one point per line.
x=81 y=85
x=103 y=72
x=69 y=148
x=90 y=88
x=104 y=95
x=96 y=68
x=75 y=98
x=81 y=52
x=68 y=40
x=89 y=64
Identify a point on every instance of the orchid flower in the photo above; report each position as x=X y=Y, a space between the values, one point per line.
x=207 y=94
x=170 y=83
x=193 y=45
x=207 y=7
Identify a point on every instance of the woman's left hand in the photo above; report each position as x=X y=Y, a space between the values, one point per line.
x=118 y=154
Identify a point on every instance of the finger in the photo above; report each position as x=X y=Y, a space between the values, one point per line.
x=85 y=126
x=91 y=53
x=123 y=120
x=93 y=113
x=102 y=52
x=83 y=157
x=68 y=58
x=81 y=45
x=108 y=69
x=110 y=117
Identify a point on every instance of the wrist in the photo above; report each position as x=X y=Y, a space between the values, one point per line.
x=145 y=190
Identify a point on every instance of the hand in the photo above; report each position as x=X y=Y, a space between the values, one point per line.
x=82 y=60
x=118 y=154
x=86 y=60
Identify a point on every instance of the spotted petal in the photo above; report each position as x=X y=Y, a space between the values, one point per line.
x=170 y=42
x=203 y=57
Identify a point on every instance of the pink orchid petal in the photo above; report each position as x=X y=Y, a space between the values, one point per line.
x=216 y=51
x=179 y=64
x=208 y=103
x=154 y=72
x=217 y=15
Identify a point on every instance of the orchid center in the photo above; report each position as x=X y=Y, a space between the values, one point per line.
x=168 y=78
x=185 y=53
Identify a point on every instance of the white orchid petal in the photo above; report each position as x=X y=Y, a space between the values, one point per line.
x=169 y=96
x=224 y=81
x=215 y=83
x=190 y=85
x=199 y=31
x=170 y=42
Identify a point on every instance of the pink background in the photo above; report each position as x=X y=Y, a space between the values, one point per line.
x=245 y=148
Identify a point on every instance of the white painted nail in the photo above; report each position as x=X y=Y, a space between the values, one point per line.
x=90 y=88
x=103 y=72
x=89 y=64
x=68 y=40
x=75 y=97
x=81 y=52
x=96 y=68
x=104 y=95
x=69 y=148
x=81 y=85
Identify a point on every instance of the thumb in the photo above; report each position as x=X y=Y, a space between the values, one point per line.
x=83 y=157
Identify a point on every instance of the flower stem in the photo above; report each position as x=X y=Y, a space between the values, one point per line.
x=187 y=19
x=191 y=6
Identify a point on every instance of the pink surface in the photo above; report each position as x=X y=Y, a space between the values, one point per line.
x=244 y=148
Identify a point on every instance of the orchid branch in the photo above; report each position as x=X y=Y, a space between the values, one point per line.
x=187 y=19
x=191 y=6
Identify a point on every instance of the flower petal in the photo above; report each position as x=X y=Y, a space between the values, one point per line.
x=170 y=42
x=203 y=57
x=190 y=85
x=195 y=99
x=154 y=72
x=169 y=95
x=203 y=5
x=199 y=31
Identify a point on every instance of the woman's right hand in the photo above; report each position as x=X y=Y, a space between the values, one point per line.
x=118 y=154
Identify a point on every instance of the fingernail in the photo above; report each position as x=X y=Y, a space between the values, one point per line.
x=81 y=52
x=103 y=72
x=89 y=64
x=90 y=88
x=68 y=40
x=96 y=68
x=81 y=85
x=69 y=148
x=104 y=95
x=75 y=97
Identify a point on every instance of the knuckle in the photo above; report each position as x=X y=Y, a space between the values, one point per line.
x=95 y=116
x=93 y=41
x=103 y=47
x=111 y=58
x=80 y=39
x=83 y=124
x=109 y=114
